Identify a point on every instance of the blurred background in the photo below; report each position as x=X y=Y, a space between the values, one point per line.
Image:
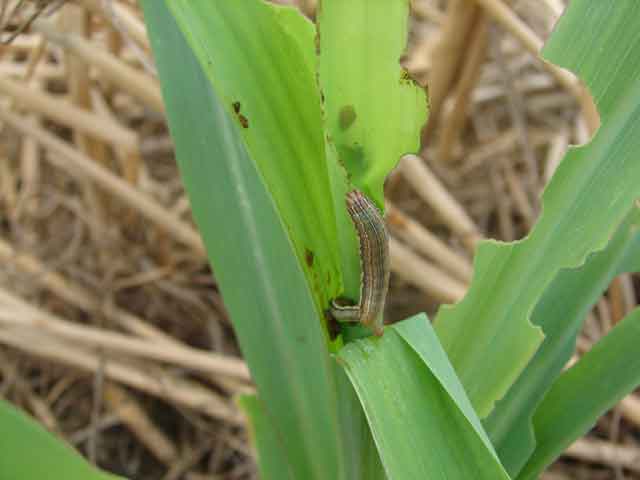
x=108 y=309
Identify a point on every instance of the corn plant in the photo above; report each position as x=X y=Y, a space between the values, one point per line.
x=275 y=119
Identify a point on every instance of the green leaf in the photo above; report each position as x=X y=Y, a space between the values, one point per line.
x=264 y=287
x=422 y=422
x=363 y=459
x=488 y=335
x=372 y=115
x=560 y=314
x=29 y=452
x=373 y=112
x=272 y=460
x=608 y=372
x=260 y=58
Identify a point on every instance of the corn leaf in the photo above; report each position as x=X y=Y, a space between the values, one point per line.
x=373 y=110
x=263 y=283
x=260 y=59
x=560 y=314
x=602 y=377
x=487 y=335
x=422 y=421
x=272 y=460
x=29 y=452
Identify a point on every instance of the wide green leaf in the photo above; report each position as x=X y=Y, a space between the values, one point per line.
x=263 y=284
x=29 y=452
x=363 y=459
x=488 y=335
x=560 y=314
x=602 y=377
x=373 y=110
x=260 y=58
x=422 y=421
x=271 y=458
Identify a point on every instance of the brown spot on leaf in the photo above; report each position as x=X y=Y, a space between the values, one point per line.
x=309 y=257
x=347 y=116
x=244 y=121
x=333 y=327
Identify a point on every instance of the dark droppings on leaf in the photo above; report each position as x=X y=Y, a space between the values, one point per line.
x=309 y=257
x=347 y=116
x=333 y=327
x=244 y=121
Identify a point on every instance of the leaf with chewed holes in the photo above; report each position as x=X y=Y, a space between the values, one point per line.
x=488 y=335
